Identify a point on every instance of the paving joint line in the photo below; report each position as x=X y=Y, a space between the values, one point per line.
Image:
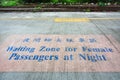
x=107 y=38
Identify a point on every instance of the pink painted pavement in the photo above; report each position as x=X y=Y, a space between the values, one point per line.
x=112 y=64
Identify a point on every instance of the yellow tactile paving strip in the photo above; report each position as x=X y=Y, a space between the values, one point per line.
x=71 y=19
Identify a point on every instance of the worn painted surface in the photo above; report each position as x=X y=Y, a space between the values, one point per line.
x=43 y=23
x=85 y=53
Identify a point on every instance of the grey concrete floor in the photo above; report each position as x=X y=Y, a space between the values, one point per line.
x=104 y=23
